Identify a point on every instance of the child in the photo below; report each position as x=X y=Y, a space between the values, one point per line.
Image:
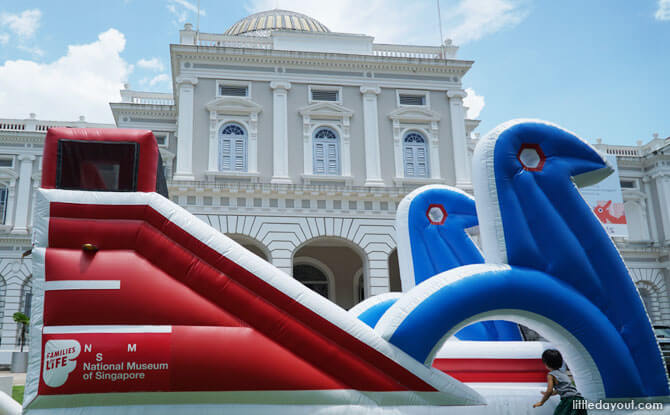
x=559 y=383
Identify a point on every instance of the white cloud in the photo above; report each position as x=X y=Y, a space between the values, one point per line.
x=153 y=64
x=663 y=12
x=162 y=78
x=4 y=38
x=473 y=19
x=474 y=102
x=82 y=82
x=408 y=22
x=181 y=9
x=24 y=25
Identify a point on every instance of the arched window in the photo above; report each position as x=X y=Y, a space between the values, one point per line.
x=414 y=155
x=312 y=277
x=326 y=152
x=232 y=148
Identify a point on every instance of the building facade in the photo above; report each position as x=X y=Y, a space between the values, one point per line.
x=299 y=143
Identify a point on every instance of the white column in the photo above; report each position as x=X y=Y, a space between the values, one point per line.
x=23 y=194
x=434 y=140
x=458 y=137
x=186 y=92
x=280 y=131
x=213 y=148
x=373 y=170
x=397 y=150
x=663 y=188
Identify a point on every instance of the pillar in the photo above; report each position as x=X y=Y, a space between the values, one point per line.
x=460 y=150
x=280 y=132
x=373 y=175
x=186 y=94
x=23 y=194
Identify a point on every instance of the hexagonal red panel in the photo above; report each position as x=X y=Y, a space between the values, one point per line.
x=531 y=157
x=436 y=214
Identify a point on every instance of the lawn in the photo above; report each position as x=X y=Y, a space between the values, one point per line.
x=17 y=393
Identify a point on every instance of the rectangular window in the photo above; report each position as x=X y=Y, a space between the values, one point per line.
x=305 y=203
x=3 y=204
x=627 y=184
x=325 y=95
x=233 y=91
x=7 y=161
x=337 y=204
x=274 y=203
x=258 y=202
x=207 y=200
x=368 y=205
x=321 y=204
x=225 y=201
x=289 y=203
x=353 y=205
x=190 y=200
x=161 y=139
x=241 y=202
x=412 y=99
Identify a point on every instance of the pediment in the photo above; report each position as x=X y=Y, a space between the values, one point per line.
x=234 y=105
x=409 y=114
x=326 y=110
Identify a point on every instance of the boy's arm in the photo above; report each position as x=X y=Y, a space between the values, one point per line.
x=546 y=394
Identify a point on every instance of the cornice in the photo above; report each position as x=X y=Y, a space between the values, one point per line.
x=370 y=90
x=410 y=114
x=22 y=137
x=365 y=63
x=234 y=105
x=325 y=109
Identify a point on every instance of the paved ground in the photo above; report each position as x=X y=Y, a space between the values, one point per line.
x=19 y=378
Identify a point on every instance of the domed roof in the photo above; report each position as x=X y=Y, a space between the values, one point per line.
x=262 y=23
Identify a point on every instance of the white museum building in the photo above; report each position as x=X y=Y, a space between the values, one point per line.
x=299 y=143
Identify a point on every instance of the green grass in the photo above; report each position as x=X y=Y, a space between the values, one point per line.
x=17 y=393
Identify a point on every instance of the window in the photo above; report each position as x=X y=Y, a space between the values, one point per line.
x=232 y=89
x=326 y=157
x=161 y=139
x=312 y=277
x=406 y=99
x=232 y=148
x=628 y=184
x=325 y=94
x=7 y=161
x=3 y=204
x=414 y=154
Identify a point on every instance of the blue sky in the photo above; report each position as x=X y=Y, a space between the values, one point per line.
x=597 y=67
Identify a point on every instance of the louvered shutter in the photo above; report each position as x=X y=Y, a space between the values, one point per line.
x=319 y=158
x=240 y=156
x=420 y=161
x=332 y=158
x=226 y=154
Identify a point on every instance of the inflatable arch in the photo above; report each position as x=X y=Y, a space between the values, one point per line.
x=138 y=306
x=551 y=266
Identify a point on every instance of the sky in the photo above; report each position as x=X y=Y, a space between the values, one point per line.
x=600 y=68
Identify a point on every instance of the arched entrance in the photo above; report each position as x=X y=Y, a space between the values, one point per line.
x=394 y=272
x=252 y=245
x=330 y=267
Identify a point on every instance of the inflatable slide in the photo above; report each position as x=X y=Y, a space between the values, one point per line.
x=139 y=307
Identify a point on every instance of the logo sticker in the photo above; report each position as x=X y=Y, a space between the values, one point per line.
x=59 y=360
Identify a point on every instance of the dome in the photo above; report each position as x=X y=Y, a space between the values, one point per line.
x=262 y=23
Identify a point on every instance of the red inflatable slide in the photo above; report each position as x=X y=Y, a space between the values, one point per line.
x=139 y=303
